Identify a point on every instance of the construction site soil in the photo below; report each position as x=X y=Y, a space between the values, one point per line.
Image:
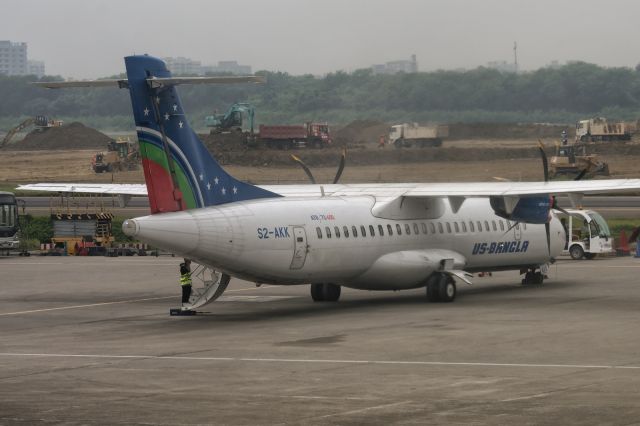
x=69 y=136
x=64 y=154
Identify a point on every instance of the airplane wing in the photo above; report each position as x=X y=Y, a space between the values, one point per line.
x=389 y=191
x=89 y=188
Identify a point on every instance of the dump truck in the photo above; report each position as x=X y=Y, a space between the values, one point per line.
x=407 y=134
x=312 y=135
x=121 y=155
x=599 y=129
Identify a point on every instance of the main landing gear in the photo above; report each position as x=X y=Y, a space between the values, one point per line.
x=325 y=292
x=441 y=288
x=533 y=277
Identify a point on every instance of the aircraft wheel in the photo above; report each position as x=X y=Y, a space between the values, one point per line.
x=433 y=294
x=316 y=293
x=325 y=292
x=446 y=289
x=576 y=252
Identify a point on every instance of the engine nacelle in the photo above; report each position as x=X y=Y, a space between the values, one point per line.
x=527 y=209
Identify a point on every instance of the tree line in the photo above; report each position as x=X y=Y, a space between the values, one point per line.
x=548 y=94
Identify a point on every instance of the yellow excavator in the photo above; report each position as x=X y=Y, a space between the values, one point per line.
x=40 y=122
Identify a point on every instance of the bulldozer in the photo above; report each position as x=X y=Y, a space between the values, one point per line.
x=572 y=160
x=121 y=155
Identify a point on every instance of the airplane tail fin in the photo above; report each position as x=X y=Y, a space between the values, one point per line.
x=179 y=171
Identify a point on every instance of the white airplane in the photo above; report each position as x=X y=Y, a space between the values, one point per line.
x=362 y=236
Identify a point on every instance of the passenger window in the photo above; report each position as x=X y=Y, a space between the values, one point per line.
x=345 y=231
x=433 y=227
x=327 y=230
x=440 y=229
x=389 y=230
x=407 y=229
x=372 y=232
x=448 y=228
x=363 y=231
x=415 y=229
x=464 y=226
x=479 y=226
x=424 y=228
x=456 y=227
x=486 y=226
x=354 y=231
x=524 y=225
x=471 y=227
x=493 y=223
x=501 y=225
x=319 y=232
x=335 y=228
x=398 y=229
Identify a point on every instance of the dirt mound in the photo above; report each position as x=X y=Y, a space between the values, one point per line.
x=70 y=136
x=508 y=130
x=360 y=131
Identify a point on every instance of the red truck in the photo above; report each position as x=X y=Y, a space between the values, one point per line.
x=313 y=135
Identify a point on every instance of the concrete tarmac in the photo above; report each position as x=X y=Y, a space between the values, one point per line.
x=90 y=341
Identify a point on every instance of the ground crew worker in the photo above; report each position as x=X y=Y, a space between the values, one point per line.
x=185 y=280
x=381 y=141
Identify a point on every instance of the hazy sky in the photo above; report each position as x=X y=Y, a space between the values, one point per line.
x=84 y=38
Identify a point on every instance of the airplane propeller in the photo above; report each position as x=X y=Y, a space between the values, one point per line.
x=306 y=169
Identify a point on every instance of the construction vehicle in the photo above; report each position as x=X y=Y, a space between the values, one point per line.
x=407 y=134
x=599 y=129
x=232 y=119
x=572 y=160
x=587 y=234
x=40 y=122
x=314 y=135
x=121 y=155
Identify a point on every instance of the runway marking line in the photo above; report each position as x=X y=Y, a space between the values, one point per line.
x=327 y=361
x=117 y=302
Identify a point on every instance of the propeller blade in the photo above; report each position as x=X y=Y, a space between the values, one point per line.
x=555 y=206
x=545 y=163
x=305 y=168
x=547 y=229
x=581 y=174
x=343 y=158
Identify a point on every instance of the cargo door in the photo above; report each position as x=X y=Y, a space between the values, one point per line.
x=300 y=247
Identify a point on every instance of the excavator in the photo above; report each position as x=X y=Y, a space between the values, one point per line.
x=40 y=122
x=232 y=119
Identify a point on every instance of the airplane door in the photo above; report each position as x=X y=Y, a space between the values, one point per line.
x=299 y=247
x=517 y=232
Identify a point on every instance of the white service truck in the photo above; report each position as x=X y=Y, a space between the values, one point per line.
x=407 y=134
x=599 y=129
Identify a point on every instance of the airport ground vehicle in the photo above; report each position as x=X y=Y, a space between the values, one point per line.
x=599 y=129
x=587 y=234
x=9 y=226
x=232 y=119
x=406 y=135
x=313 y=135
x=122 y=154
x=571 y=160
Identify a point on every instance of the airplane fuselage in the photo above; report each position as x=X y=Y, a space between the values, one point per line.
x=338 y=240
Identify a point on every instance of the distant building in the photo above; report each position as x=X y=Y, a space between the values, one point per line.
x=13 y=58
x=394 y=67
x=554 y=65
x=183 y=66
x=186 y=66
x=35 y=68
x=502 y=66
x=229 y=66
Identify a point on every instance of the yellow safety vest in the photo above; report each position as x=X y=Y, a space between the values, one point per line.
x=185 y=279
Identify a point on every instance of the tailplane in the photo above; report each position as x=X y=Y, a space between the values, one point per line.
x=179 y=171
